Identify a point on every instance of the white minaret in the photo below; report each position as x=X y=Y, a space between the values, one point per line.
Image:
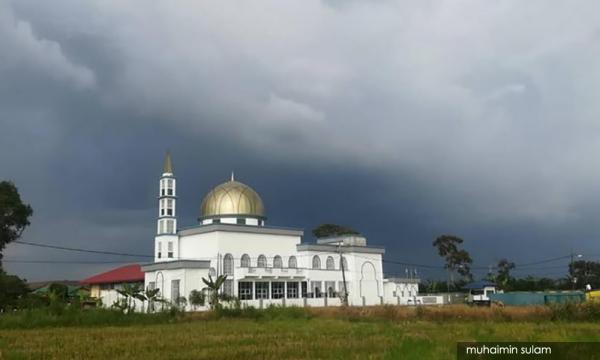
x=167 y=223
x=166 y=228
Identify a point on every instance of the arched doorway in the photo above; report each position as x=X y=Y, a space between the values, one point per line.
x=369 y=286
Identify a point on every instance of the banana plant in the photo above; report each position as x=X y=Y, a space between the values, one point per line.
x=151 y=296
x=214 y=286
x=131 y=293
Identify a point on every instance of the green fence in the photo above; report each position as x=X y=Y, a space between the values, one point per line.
x=538 y=298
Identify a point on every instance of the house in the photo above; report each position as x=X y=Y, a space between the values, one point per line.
x=104 y=286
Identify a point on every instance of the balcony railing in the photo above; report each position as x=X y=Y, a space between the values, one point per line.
x=269 y=272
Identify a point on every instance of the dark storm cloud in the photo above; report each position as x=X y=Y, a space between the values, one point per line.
x=401 y=119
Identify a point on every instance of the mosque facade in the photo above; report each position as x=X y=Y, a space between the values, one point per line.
x=264 y=264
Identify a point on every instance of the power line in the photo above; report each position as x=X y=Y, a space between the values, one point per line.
x=412 y=264
x=123 y=254
x=62 y=262
x=539 y=268
x=543 y=261
x=395 y=262
x=81 y=250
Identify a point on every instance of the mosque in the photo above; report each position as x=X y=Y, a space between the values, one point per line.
x=264 y=264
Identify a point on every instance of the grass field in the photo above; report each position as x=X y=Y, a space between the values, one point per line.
x=314 y=334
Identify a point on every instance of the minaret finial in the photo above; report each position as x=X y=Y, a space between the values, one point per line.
x=168 y=167
x=232 y=176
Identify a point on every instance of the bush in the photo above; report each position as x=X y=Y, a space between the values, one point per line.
x=12 y=291
x=197 y=298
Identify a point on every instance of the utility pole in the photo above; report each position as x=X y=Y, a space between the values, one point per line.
x=448 y=284
x=572 y=269
x=345 y=299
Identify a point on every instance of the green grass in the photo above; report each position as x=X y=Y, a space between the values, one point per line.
x=41 y=318
x=372 y=333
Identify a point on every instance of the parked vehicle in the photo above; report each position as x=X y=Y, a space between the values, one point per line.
x=479 y=292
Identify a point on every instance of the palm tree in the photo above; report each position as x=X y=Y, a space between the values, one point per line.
x=214 y=286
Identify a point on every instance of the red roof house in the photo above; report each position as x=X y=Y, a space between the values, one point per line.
x=123 y=274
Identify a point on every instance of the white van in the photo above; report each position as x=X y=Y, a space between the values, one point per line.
x=479 y=292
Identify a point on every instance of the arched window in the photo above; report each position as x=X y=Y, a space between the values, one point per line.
x=277 y=262
x=330 y=264
x=262 y=261
x=316 y=264
x=245 y=260
x=228 y=264
x=345 y=263
x=292 y=263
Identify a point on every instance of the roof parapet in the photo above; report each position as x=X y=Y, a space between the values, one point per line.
x=344 y=240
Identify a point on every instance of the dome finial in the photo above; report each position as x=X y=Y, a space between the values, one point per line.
x=232 y=176
x=168 y=166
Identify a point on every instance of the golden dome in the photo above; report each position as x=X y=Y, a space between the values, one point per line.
x=232 y=198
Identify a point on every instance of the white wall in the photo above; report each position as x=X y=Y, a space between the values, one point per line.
x=211 y=245
x=164 y=240
x=401 y=293
x=109 y=297
x=189 y=279
x=364 y=274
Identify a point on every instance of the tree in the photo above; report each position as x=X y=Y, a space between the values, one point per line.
x=14 y=218
x=456 y=259
x=214 y=286
x=585 y=272
x=58 y=297
x=12 y=289
x=60 y=291
x=14 y=215
x=326 y=230
x=503 y=277
x=462 y=261
x=197 y=298
x=531 y=283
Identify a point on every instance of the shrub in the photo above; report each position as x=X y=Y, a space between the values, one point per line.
x=197 y=298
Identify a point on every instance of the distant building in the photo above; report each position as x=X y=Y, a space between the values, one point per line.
x=104 y=286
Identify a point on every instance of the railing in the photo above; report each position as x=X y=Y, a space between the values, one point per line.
x=268 y=271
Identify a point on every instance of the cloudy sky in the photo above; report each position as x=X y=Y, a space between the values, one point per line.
x=403 y=120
